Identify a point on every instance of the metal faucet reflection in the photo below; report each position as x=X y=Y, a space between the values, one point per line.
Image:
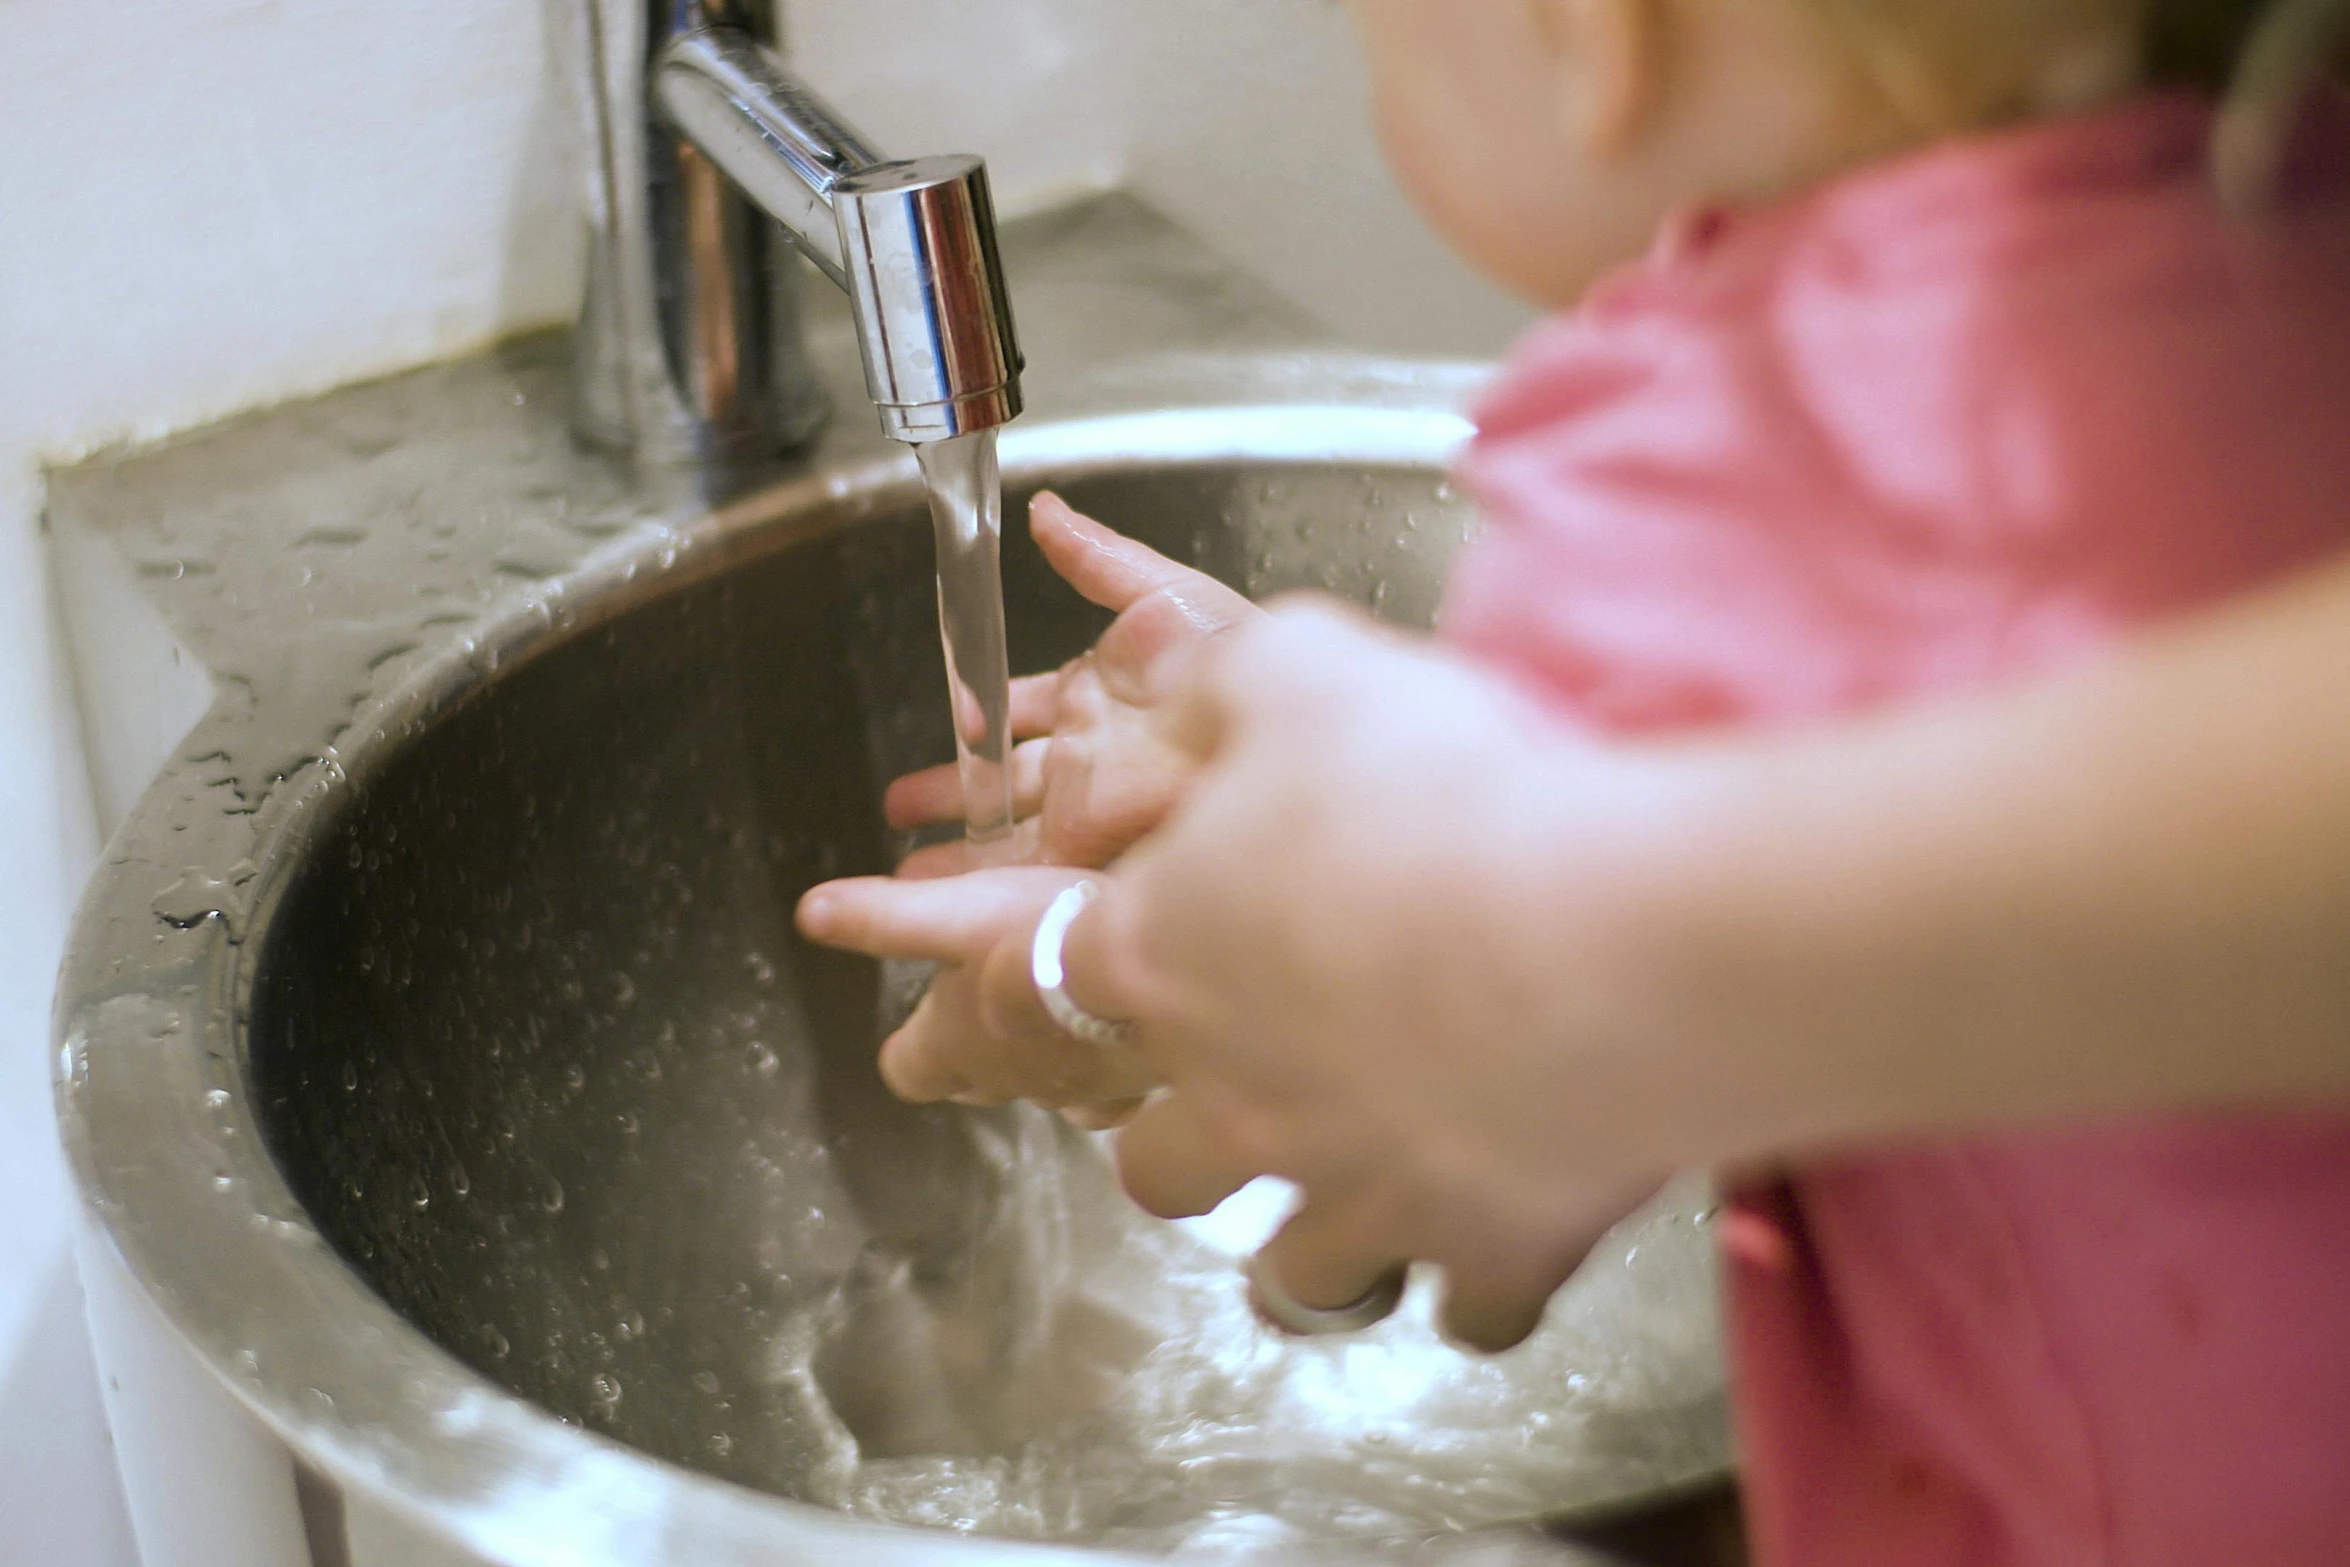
x=689 y=348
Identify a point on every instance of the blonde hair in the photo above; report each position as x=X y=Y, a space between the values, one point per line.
x=2279 y=64
x=1951 y=63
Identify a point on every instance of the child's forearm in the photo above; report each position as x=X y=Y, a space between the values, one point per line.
x=2126 y=891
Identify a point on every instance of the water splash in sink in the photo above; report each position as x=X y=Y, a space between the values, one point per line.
x=1088 y=1376
x=967 y=510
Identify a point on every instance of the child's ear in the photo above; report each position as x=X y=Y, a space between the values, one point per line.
x=1611 y=68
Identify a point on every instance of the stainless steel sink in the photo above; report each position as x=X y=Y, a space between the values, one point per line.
x=448 y=1083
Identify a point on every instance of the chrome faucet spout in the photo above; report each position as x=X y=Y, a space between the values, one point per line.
x=914 y=242
x=689 y=346
x=781 y=143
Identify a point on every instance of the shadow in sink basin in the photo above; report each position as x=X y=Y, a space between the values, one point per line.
x=536 y=1045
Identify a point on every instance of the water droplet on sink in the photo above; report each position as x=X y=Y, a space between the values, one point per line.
x=217 y=1098
x=721 y=1444
x=706 y=1381
x=350 y=1077
x=460 y=1182
x=496 y=1342
x=761 y=1059
x=552 y=1198
x=762 y=971
x=419 y=1194
x=604 y=1394
x=196 y=897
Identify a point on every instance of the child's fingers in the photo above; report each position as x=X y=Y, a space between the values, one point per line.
x=1107 y=567
x=989 y=1041
x=935 y=794
x=1036 y=701
x=945 y=1051
x=938 y=861
x=1284 y=665
x=1042 y=1061
x=962 y=857
x=922 y=799
x=1153 y=627
x=913 y=1065
x=950 y=920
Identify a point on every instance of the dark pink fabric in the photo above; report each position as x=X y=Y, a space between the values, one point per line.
x=1956 y=418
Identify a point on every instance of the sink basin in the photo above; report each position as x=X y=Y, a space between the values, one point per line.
x=464 y=1102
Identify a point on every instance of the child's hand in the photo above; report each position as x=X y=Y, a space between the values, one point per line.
x=981 y=1036
x=1095 y=774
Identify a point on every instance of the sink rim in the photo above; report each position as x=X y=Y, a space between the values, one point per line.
x=147 y=1028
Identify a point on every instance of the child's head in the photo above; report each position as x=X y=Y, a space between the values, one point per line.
x=1548 y=138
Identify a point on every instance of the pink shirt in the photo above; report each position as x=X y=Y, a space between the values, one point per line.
x=1950 y=420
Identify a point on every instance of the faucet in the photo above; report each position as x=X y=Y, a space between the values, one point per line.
x=690 y=350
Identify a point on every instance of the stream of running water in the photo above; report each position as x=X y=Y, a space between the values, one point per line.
x=967 y=511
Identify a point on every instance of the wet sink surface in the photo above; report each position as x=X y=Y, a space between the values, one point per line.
x=437 y=1058
x=537 y=1047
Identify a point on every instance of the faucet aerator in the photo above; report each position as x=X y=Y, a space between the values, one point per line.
x=690 y=343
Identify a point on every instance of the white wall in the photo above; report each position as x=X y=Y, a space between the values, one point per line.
x=210 y=205
x=1244 y=119
x=204 y=205
x=1247 y=120
x=1022 y=81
